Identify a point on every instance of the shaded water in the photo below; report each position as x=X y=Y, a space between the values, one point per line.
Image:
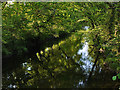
x=64 y=65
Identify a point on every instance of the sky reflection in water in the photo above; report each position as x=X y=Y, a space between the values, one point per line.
x=86 y=59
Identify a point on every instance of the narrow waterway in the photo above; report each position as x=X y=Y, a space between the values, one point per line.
x=64 y=65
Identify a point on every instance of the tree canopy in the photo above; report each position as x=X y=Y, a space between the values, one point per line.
x=36 y=25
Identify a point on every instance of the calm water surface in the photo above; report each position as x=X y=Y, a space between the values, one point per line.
x=64 y=65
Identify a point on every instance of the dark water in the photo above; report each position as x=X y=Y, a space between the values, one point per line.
x=64 y=65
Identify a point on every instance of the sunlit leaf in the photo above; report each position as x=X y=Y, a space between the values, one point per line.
x=41 y=52
x=60 y=60
x=38 y=55
x=114 y=78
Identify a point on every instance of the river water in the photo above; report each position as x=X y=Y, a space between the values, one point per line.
x=64 y=65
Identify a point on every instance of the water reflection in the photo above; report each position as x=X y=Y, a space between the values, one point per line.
x=12 y=86
x=64 y=65
x=85 y=58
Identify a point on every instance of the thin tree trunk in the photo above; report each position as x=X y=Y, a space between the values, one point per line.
x=93 y=66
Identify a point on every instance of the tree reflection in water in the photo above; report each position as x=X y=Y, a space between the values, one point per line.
x=64 y=65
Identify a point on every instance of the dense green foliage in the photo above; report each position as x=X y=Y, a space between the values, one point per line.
x=23 y=23
x=34 y=25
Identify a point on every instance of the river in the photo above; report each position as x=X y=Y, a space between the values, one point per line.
x=64 y=65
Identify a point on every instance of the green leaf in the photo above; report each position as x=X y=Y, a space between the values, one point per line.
x=114 y=78
x=25 y=49
x=38 y=55
x=118 y=76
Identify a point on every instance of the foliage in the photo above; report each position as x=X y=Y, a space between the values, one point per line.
x=115 y=77
x=34 y=26
x=24 y=22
